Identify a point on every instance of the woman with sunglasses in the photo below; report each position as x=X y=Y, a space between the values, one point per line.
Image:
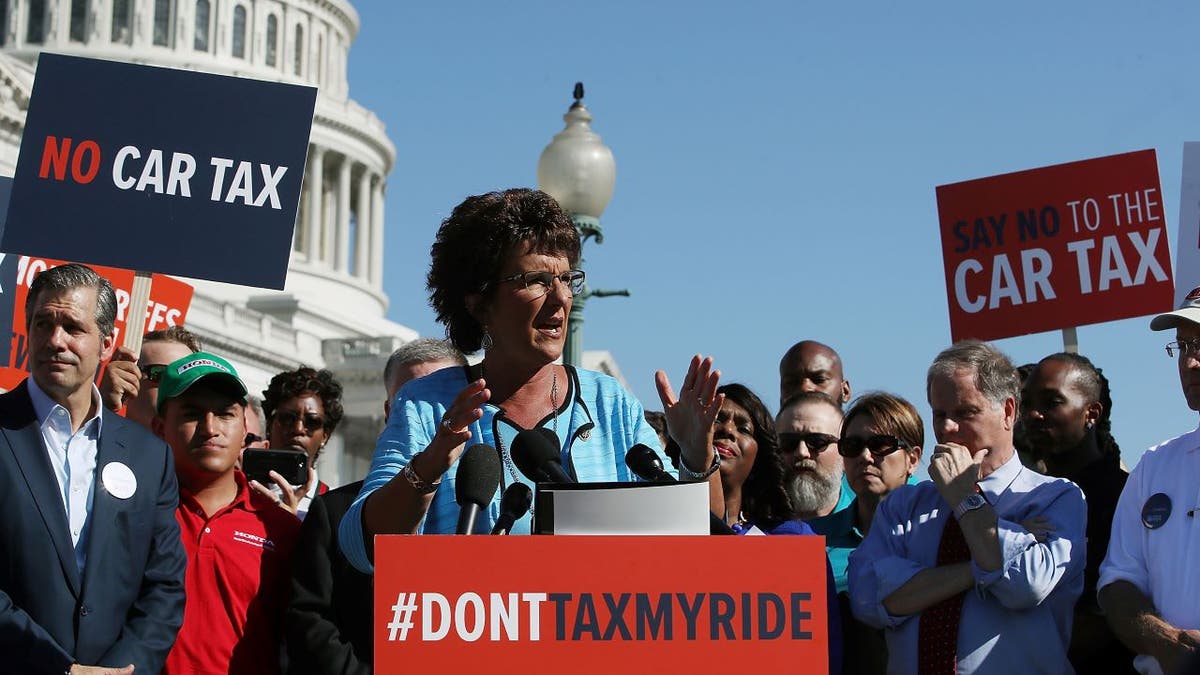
x=303 y=408
x=881 y=448
x=503 y=277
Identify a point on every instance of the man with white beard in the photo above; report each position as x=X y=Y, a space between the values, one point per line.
x=809 y=425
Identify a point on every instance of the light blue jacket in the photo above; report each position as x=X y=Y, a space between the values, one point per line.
x=600 y=423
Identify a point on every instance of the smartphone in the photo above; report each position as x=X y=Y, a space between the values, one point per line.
x=291 y=464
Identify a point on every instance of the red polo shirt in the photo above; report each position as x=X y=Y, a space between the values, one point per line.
x=238 y=578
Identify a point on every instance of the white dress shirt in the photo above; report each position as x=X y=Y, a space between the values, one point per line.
x=73 y=457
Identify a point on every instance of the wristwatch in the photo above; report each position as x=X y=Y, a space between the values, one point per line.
x=972 y=502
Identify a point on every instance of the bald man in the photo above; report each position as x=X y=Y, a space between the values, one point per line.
x=812 y=366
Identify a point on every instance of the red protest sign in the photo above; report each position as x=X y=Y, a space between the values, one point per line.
x=168 y=306
x=598 y=604
x=1055 y=247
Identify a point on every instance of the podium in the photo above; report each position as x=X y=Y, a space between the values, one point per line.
x=600 y=604
x=621 y=508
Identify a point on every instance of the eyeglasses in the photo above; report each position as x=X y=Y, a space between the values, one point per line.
x=153 y=372
x=880 y=445
x=251 y=439
x=288 y=419
x=1183 y=348
x=540 y=283
x=816 y=443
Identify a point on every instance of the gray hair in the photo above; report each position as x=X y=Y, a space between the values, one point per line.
x=422 y=350
x=69 y=277
x=254 y=403
x=810 y=397
x=995 y=375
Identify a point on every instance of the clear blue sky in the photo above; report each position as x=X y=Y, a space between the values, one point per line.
x=776 y=162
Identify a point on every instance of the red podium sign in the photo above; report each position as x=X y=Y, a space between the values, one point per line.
x=600 y=604
x=1055 y=247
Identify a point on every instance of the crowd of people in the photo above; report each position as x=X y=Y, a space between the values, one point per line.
x=132 y=540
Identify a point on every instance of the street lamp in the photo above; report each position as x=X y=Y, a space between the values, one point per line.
x=578 y=170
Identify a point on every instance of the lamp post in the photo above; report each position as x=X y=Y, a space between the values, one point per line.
x=578 y=170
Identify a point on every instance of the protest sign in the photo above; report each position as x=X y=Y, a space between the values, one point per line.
x=158 y=169
x=596 y=604
x=1055 y=247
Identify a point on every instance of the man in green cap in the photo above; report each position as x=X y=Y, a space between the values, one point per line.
x=238 y=542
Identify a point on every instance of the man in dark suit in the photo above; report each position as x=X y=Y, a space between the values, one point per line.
x=91 y=564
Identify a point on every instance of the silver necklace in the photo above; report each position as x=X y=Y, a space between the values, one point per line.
x=504 y=453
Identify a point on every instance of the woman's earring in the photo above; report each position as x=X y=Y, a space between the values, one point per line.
x=1089 y=425
x=486 y=341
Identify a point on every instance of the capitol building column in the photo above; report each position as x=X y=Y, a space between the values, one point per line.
x=342 y=259
x=312 y=220
x=364 y=225
x=377 y=232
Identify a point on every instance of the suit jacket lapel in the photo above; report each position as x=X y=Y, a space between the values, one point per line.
x=24 y=440
x=105 y=506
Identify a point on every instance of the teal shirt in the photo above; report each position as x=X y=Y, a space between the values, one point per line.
x=841 y=536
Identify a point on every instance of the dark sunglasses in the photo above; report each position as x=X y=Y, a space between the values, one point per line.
x=153 y=372
x=789 y=441
x=880 y=445
x=289 y=418
x=251 y=439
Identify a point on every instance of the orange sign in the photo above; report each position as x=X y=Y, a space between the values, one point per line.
x=168 y=306
x=600 y=604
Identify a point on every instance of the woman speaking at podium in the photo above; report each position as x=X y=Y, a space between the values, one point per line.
x=502 y=279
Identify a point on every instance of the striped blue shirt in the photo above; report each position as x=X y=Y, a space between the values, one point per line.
x=598 y=424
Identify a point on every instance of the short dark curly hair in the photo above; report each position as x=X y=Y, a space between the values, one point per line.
x=473 y=244
x=292 y=383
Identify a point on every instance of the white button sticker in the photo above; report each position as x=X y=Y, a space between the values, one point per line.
x=119 y=480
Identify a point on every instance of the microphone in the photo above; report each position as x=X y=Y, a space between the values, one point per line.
x=537 y=455
x=514 y=504
x=475 y=483
x=645 y=464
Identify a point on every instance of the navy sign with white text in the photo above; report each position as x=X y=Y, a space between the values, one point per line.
x=160 y=170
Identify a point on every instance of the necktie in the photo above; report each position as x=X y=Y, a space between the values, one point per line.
x=937 y=633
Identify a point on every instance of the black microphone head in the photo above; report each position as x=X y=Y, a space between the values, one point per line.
x=532 y=449
x=516 y=500
x=645 y=463
x=478 y=475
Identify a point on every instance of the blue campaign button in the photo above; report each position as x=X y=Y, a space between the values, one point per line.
x=1156 y=511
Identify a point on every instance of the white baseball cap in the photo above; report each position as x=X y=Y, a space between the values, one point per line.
x=1188 y=312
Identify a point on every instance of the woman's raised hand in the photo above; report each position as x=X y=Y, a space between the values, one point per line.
x=690 y=416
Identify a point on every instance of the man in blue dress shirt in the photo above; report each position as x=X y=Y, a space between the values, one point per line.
x=978 y=569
